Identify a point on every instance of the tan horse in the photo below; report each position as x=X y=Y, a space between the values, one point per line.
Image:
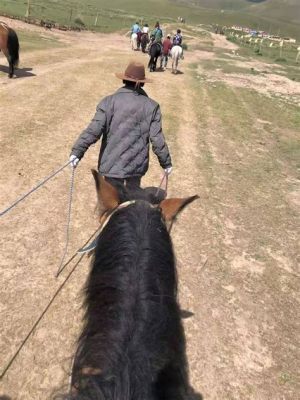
x=133 y=40
x=9 y=44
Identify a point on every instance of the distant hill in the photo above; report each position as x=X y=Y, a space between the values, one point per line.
x=287 y=10
x=277 y=15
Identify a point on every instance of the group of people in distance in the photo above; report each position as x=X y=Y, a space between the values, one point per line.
x=156 y=36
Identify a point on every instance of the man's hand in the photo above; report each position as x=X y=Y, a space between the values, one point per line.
x=168 y=170
x=74 y=161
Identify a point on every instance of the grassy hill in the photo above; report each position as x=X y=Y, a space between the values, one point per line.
x=278 y=10
x=275 y=15
x=119 y=14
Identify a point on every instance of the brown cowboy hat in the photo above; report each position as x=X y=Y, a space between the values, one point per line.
x=135 y=72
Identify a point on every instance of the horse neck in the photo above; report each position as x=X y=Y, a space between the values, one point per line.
x=133 y=272
x=138 y=233
x=134 y=252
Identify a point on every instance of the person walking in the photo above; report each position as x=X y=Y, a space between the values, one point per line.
x=128 y=121
x=167 y=46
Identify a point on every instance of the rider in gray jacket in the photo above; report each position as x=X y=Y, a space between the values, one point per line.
x=128 y=121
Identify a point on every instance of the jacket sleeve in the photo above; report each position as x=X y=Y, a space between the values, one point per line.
x=92 y=133
x=159 y=146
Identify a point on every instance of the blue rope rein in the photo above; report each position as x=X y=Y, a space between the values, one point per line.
x=68 y=224
x=61 y=264
x=33 y=189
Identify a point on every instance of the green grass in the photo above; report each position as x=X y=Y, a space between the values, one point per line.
x=271 y=55
x=33 y=41
x=119 y=14
x=244 y=161
x=289 y=51
x=268 y=15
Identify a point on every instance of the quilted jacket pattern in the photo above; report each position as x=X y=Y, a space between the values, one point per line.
x=127 y=121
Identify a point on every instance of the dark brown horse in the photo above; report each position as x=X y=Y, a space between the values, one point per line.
x=155 y=51
x=132 y=345
x=144 y=41
x=9 y=44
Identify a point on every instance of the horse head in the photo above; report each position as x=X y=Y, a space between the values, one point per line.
x=111 y=199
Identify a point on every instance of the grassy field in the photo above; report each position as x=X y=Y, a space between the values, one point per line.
x=285 y=57
x=31 y=41
x=118 y=14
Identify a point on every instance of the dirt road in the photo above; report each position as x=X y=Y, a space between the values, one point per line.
x=236 y=247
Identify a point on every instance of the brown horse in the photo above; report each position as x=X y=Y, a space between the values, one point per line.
x=144 y=41
x=132 y=346
x=9 y=44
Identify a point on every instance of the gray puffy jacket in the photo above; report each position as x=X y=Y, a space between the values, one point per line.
x=128 y=121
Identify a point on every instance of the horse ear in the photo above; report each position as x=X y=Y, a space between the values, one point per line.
x=170 y=208
x=107 y=194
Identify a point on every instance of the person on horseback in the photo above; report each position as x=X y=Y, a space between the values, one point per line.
x=135 y=36
x=145 y=29
x=157 y=34
x=128 y=121
x=135 y=28
x=177 y=40
x=144 y=38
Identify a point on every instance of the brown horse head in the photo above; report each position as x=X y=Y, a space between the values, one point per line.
x=109 y=200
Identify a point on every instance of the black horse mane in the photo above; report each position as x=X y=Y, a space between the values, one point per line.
x=151 y=194
x=132 y=346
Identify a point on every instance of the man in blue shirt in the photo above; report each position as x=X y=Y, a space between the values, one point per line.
x=136 y=28
x=177 y=39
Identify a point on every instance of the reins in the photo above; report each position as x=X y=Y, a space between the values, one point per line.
x=165 y=177
x=34 y=189
x=45 y=180
x=62 y=264
x=68 y=224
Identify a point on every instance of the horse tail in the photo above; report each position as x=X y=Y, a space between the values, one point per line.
x=13 y=47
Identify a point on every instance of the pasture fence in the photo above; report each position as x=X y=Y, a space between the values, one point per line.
x=69 y=15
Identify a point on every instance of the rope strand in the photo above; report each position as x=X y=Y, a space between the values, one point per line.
x=34 y=189
x=39 y=319
x=165 y=176
x=68 y=224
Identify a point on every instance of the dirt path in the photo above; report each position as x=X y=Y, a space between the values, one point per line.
x=238 y=278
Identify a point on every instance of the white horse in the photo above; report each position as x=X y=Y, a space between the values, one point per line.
x=176 y=52
x=133 y=40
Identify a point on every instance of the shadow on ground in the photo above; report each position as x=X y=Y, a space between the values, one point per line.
x=178 y=72
x=19 y=73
